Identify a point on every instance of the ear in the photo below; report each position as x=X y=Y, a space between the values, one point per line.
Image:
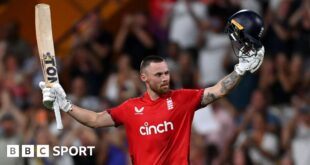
x=143 y=77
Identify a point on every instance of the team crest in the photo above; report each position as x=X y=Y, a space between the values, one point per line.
x=169 y=103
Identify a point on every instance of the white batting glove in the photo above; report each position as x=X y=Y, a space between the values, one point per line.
x=251 y=63
x=55 y=95
x=48 y=96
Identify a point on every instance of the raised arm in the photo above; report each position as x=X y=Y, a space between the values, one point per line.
x=122 y=34
x=57 y=95
x=224 y=86
x=221 y=89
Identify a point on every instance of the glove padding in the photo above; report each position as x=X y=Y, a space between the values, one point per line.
x=55 y=95
x=48 y=96
x=250 y=63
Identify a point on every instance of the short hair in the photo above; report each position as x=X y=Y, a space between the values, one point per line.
x=149 y=59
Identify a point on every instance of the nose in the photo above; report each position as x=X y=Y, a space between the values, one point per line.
x=165 y=78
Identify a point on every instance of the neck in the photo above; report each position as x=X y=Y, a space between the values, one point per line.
x=153 y=95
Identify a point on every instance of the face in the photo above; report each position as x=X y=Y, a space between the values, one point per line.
x=42 y=136
x=11 y=63
x=258 y=100
x=8 y=127
x=157 y=77
x=123 y=63
x=140 y=20
x=296 y=65
x=79 y=87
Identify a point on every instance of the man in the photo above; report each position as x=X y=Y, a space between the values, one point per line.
x=9 y=135
x=158 y=124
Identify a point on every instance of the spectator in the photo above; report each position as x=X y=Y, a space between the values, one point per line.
x=267 y=76
x=212 y=54
x=33 y=71
x=7 y=105
x=80 y=96
x=185 y=23
x=263 y=146
x=12 y=42
x=281 y=89
x=296 y=135
x=91 y=33
x=134 y=38
x=123 y=84
x=14 y=80
x=159 y=10
x=83 y=63
x=187 y=70
x=197 y=149
x=9 y=136
x=300 y=142
x=85 y=137
x=220 y=123
x=277 y=36
x=42 y=136
x=260 y=104
x=172 y=56
x=241 y=156
x=117 y=153
x=300 y=24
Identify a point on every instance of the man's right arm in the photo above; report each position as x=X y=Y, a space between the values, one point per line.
x=91 y=118
x=57 y=95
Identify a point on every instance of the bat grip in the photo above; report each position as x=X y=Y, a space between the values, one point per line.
x=57 y=115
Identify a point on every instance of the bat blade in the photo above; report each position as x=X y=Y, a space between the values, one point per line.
x=45 y=43
x=44 y=35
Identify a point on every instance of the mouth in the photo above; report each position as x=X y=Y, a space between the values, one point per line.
x=164 y=85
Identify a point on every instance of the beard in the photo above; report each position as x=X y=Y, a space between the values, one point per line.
x=161 y=89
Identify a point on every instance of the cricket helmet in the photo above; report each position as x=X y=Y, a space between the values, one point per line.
x=245 y=29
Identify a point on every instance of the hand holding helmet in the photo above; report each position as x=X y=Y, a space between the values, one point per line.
x=250 y=63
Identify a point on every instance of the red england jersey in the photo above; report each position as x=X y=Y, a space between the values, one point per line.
x=159 y=131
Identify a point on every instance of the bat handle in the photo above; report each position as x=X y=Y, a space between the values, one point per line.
x=57 y=115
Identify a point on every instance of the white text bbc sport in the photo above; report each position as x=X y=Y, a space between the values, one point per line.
x=44 y=150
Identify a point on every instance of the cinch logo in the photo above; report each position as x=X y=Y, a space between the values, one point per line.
x=44 y=150
x=155 y=129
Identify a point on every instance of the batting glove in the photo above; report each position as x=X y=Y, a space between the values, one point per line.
x=250 y=63
x=55 y=95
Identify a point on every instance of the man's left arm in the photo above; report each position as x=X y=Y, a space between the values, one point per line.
x=224 y=86
x=220 y=89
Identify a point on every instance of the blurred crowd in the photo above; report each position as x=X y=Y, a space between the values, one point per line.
x=265 y=120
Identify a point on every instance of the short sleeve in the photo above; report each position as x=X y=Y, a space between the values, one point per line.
x=118 y=114
x=192 y=97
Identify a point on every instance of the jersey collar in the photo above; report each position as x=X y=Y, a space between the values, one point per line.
x=146 y=97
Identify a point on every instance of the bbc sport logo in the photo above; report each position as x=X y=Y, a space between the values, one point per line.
x=44 y=151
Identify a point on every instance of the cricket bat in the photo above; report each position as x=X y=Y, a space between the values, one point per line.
x=45 y=44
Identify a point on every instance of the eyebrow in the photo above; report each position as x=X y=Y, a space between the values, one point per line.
x=167 y=71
